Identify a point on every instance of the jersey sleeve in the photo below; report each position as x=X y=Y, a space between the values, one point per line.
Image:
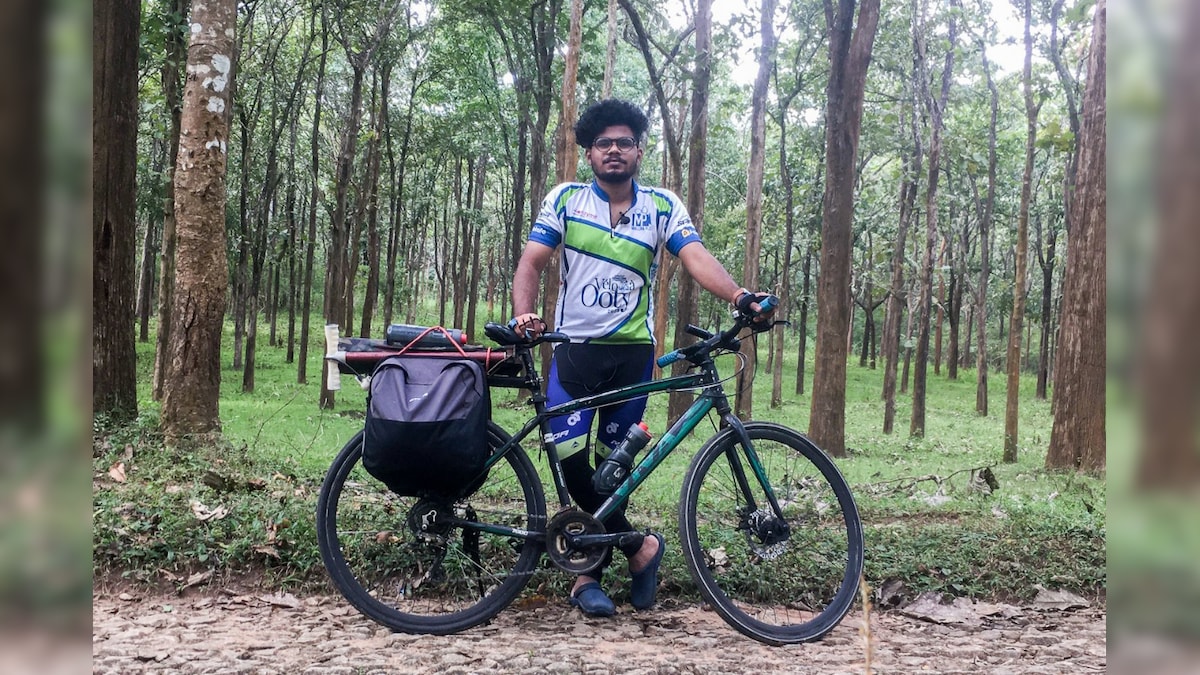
x=680 y=231
x=548 y=227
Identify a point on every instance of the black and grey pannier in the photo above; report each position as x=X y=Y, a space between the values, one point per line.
x=426 y=428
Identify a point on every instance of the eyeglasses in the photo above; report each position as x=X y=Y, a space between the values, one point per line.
x=624 y=143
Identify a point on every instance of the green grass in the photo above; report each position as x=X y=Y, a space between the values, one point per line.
x=1038 y=528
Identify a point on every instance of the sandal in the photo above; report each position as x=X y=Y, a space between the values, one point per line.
x=593 y=601
x=644 y=587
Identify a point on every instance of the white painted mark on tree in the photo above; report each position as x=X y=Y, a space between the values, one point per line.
x=196 y=28
x=221 y=63
x=216 y=104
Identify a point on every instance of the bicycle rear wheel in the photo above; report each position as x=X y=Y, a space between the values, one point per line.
x=444 y=579
x=777 y=585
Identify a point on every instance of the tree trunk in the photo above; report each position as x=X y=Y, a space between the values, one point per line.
x=311 y=243
x=610 y=53
x=785 y=285
x=191 y=395
x=941 y=311
x=1046 y=260
x=936 y=109
x=371 y=294
x=477 y=215
x=802 y=348
x=897 y=296
x=849 y=57
x=176 y=57
x=114 y=212
x=678 y=401
x=1169 y=457
x=744 y=401
x=985 y=245
x=1011 y=421
x=149 y=258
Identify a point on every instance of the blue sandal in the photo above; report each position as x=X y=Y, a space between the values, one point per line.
x=593 y=601
x=644 y=586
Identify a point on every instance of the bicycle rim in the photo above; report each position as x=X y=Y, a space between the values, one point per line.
x=778 y=590
x=417 y=582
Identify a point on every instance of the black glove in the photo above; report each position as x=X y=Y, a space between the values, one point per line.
x=746 y=299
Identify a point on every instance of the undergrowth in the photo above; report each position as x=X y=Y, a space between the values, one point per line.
x=243 y=504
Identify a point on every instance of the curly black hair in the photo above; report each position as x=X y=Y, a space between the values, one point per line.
x=610 y=112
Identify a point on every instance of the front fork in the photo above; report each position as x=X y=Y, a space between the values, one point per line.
x=735 y=424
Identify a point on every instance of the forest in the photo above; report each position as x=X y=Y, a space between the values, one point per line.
x=915 y=180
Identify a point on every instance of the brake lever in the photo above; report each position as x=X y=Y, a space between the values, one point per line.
x=764 y=326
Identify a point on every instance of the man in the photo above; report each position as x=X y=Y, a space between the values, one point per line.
x=611 y=233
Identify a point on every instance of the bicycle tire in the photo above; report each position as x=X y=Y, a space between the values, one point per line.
x=791 y=591
x=420 y=583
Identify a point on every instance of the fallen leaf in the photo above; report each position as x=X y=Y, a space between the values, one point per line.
x=281 y=600
x=126 y=597
x=891 y=593
x=117 y=472
x=203 y=513
x=196 y=579
x=128 y=454
x=1047 y=599
x=268 y=550
x=929 y=607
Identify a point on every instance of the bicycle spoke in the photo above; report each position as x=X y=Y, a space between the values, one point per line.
x=774 y=582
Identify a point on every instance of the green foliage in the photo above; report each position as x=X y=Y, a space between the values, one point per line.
x=924 y=522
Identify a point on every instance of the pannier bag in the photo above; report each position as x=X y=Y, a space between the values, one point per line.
x=426 y=428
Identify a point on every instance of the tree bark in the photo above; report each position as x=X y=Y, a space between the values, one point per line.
x=149 y=258
x=1011 y=409
x=937 y=110
x=176 y=57
x=311 y=242
x=114 y=211
x=1169 y=456
x=985 y=245
x=849 y=57
x=802 y=348
x=897 y=299
x=191 y=395
x=371 y=293
x=744 y=401
x=678 y=401
x=1046 y=260
x=610 y=52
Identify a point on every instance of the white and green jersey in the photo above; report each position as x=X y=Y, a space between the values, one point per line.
x=606 y=291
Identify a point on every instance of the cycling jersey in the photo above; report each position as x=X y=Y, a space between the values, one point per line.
x=605 y=294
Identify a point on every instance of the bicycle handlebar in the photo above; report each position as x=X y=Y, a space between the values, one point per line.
x=711 y=341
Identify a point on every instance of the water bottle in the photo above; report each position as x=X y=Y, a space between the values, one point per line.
x=399 y=335
x=615 y=469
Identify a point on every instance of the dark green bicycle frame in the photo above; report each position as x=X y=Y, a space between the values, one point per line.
x=712 y=397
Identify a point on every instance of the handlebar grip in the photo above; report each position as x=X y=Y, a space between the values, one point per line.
x=698 y=332
x=669 y=358
x=333 y=376
x=769 y=303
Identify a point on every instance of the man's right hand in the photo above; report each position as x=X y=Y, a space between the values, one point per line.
x=528 y=325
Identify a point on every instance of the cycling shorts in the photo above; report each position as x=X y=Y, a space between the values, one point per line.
x=579 y=370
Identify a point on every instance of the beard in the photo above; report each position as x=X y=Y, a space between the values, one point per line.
x=616 y=171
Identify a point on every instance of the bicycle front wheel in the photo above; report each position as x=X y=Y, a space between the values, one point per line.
x=777 y=582
x=393 y=566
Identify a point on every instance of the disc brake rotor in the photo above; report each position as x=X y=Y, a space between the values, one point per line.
x=766 y=535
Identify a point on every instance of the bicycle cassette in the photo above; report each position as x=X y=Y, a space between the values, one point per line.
x=573 y=523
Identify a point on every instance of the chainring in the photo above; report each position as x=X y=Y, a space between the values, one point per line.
x=574 y=522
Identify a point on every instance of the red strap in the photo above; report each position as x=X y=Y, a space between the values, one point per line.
x=427 y=331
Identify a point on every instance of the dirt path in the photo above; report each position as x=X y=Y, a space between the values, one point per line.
x=226 y=633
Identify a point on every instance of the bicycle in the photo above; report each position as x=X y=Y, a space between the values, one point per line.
x=758 y=500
